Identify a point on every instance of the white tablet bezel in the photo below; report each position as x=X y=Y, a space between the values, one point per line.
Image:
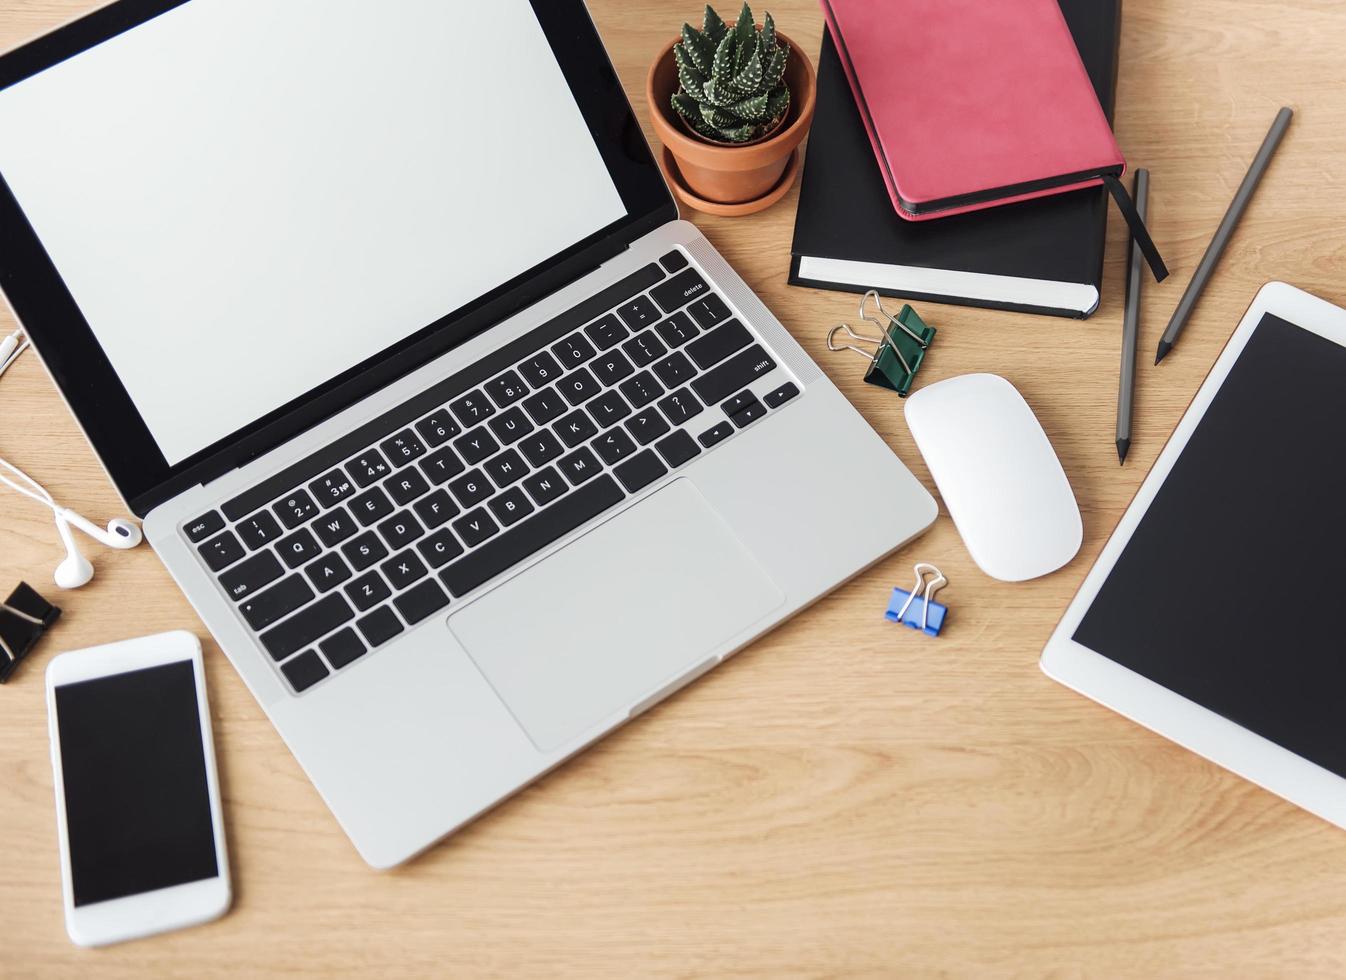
x=1192 y=726
x=178 y=906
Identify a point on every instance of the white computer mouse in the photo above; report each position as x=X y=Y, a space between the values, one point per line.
x=998 y=475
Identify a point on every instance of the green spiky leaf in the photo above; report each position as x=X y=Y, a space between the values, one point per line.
x=746 y=33
x=712 y=26
x=775 y=68
x=686 y=106
x=719 y=94
x=753 y=109
x=722 y=67
x=740 y=134
x=749 y=77
x=768 y=37
x=719 y=118
x=699 y=48
x=690 y=82
x=776 y=103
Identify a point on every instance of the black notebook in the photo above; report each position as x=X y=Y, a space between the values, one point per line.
x=1039 y=256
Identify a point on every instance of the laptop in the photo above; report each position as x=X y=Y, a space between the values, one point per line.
x=464 y=447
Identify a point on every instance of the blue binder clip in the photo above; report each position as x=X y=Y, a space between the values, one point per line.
x=917 y=608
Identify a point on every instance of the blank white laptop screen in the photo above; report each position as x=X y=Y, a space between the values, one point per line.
x=247 y=197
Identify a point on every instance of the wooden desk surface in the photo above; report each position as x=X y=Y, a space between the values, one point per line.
x=845 y=796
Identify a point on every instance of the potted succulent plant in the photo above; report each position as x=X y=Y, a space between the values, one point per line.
x=731 y=106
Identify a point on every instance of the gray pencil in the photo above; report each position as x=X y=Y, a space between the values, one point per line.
x=1222 y=234
x=1135 y=266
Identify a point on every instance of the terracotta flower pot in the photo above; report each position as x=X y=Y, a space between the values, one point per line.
x=734 y=175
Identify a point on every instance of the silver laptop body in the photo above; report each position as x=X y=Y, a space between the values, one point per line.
x=447 y=586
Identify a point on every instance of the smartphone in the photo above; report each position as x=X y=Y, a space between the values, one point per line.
x=137 y=798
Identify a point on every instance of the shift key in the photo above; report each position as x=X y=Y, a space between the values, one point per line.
x=307 y=625
x=733 y=375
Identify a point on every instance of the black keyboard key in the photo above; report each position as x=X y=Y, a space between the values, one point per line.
x=280 y=600
x=403 y=448
x=342 y=648
x=579 y=466
x=511 y=426
x=251 y=576
x=476 y=446
x=369 y=467
x=608 y=409
x=435 y=509
x=404 y=569
x=640 y=470
x=680 y=406
x=677 y=449
x=638 y=313
x=611 y=367
x=380 y=626
x=613 y=446
x=728 y=338
x=539 y=448
x=607 y=332
x=579 y=386
x=471 y=488
x=645 y=348
x=575 y=428
x=334 y=527
x=475 y=527
x=739 y=402
x=648 y=426
x=258 y=530
x=677 y=330
x=421 y=602
x=573 y=351
x=544 y=486
x=674 y=261
x=368 y=591
x=327 y=572
x=370 y=506
x=749 y=414
x=680 y=290
x=221 y=551
x=733 y=375
x=540 y=370
x=777 y=398
x=204 y=526
x=296 y=508
x=440 y=548
x=363 y=551
x=675 y=370
x=331 y=489
x=641 y=389
x=472 y=408
x=406 y=486
x=715 y=434
x=708 y=311
x=545 y=406
x=304 y=671
x=298 y=548
x=437 y=429
x=441 y=464
x=530 y=536
x=506 y=468
x=400 y=530
x=510 y=507
x=506 y=389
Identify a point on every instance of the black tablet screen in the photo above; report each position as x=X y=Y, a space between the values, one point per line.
x=1231 y=591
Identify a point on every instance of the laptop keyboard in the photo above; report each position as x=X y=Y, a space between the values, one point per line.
x=343 y=551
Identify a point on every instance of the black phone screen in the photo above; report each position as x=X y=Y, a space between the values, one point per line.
x=137 y=801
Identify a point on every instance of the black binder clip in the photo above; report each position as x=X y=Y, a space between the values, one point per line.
x=916 y=608
x=24 y=617
x=899 y=350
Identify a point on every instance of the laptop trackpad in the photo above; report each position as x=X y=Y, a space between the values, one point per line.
x=623 y=611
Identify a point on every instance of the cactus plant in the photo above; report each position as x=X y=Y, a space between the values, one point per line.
x=731 y=86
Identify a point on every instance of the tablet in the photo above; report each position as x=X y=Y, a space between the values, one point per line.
x=1214 y=613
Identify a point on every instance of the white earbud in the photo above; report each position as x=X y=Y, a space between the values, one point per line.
x=74 y=570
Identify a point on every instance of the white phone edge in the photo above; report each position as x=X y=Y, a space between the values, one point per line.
x=166 y=909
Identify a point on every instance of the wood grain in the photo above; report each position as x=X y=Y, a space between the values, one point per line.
x=845 y=797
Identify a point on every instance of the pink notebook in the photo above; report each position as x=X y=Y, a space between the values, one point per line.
x=971 y=104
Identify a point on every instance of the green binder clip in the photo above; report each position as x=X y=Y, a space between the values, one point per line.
x=897 y=354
